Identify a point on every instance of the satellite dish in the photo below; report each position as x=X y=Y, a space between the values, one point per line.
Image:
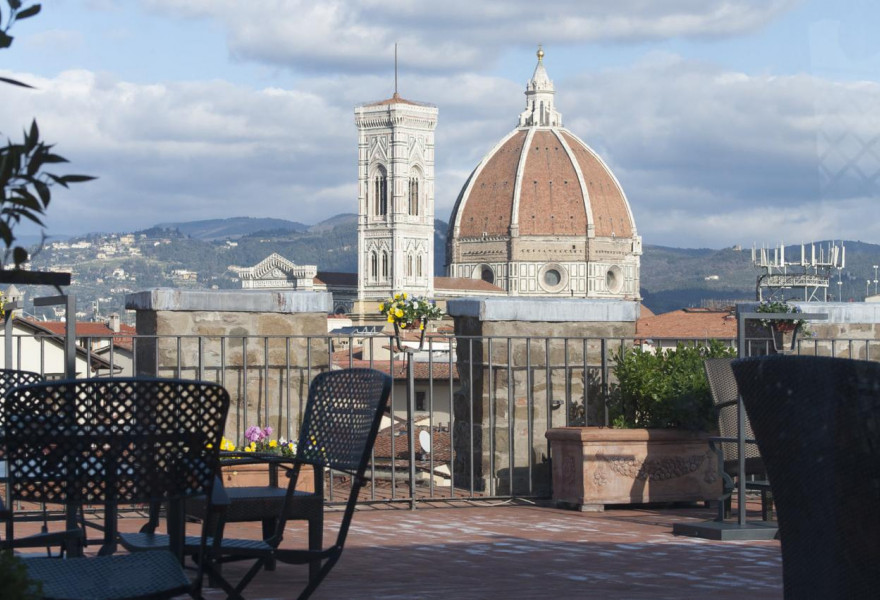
x=425 y=440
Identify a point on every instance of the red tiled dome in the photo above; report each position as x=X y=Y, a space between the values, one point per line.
x=542 y=181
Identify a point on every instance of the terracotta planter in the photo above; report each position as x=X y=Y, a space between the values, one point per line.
x=257 y=475
x=596 y=466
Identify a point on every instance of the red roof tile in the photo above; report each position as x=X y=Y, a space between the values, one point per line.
x=688 y=323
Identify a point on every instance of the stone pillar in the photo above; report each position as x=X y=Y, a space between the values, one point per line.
x=257 y=344
x=525 y=364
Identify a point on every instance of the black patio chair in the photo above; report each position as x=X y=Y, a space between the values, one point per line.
x=817 y=424
x=71 y=538
x=111 y=441
x=339 y=427
x=725 y=397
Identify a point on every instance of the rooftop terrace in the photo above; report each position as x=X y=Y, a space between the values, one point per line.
x=529 y=551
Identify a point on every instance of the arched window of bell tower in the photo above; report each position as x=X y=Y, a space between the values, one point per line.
x=414 y=185
x=380 y=192
x=374 y=266
x=384 y=265
x=409 y=265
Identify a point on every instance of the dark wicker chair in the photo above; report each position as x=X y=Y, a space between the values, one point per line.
x=817 y=424
x=339 y=428
x=725 y=397
x=111 y=441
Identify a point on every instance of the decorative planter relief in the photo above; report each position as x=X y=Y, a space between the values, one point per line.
x=595 y=466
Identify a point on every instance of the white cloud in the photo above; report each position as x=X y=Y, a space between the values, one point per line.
x=707 y=156
x=353 y=36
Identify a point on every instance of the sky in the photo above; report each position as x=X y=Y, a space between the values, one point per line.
x=725 y=121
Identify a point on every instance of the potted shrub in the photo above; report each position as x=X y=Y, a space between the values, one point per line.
x=27 y=185
x=15 y=584
x=657 y=448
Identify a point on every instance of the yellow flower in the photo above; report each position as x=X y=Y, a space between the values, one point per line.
x=398 y=313
x=421 y=325
x=404 y=295
x=248 y=449
x=273 y=443
x=253 y=446
x=391 y=318
x=381 y=306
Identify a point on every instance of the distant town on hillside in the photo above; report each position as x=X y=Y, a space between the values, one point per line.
x=108 y=266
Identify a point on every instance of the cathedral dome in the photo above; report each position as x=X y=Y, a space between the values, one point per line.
x=542 y=181
x=542 y=205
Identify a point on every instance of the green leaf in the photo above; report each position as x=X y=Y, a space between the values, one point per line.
x=14 y=4
x=76 y=178
x=30 y=11
x=32 y=139
x=53 y=158
x=13 y=81
x=43 y=191
x=5 y=40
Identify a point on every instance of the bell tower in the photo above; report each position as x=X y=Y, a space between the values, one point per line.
x=395 y=198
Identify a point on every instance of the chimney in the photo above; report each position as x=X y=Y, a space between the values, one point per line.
x=113 y=322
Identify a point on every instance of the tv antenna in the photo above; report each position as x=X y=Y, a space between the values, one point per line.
x=810 y=273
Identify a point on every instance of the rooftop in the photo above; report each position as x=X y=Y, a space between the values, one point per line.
x=526 y=551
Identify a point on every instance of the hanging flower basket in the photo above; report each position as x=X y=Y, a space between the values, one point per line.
x=783 y=332
x=784 y=337
x=407 y=312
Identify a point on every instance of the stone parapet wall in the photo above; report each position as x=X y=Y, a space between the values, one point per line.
x=521 y=363
x=255 y=343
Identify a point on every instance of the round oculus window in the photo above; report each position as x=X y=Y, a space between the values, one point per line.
x=614 y=280
x=552 y=277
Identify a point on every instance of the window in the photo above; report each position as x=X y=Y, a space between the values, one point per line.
x=384 y=265
x=419 y=266
x=421 y=401
x=380 y=192
x=414 y=196
x=374 y=266
x=409 y=265
x=552 y=277
x=487 y=275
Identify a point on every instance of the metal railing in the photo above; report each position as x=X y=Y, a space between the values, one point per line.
x=481 y=411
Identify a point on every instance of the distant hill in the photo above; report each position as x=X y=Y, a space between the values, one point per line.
x=671 y=278
x=234 y=228
x=345 y=220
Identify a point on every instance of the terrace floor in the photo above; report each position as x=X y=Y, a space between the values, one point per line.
x=516 y=550
x=520 y=550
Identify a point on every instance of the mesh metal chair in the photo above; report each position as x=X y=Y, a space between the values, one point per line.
x=339 y=428
x=725 y=397
x=111 y=441
x=817 y=424
x=10 y=378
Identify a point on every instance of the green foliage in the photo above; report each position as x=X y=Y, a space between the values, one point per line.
x=14 y=581
x=26 y=186
x=667 y=389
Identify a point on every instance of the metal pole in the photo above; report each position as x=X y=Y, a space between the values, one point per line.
x=410 y=424
x=7 y=332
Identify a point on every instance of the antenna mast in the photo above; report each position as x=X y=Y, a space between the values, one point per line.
x=395 y=69
x=809 y=273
